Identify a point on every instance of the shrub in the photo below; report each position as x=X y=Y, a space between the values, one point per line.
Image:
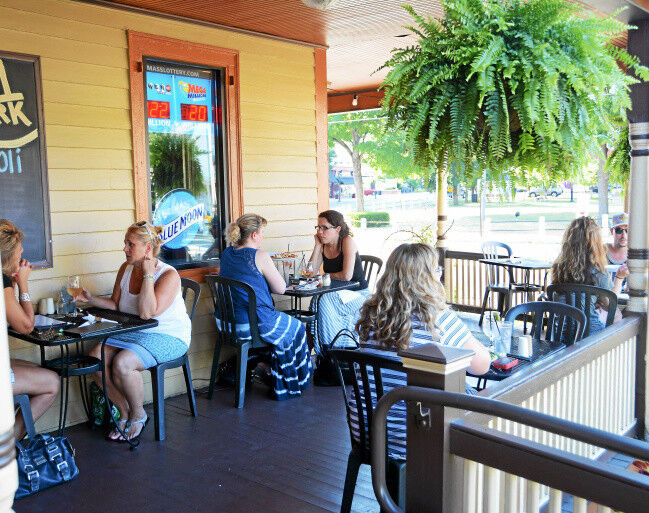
x=374 y=219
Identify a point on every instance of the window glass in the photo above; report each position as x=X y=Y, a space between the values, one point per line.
x=187 y=173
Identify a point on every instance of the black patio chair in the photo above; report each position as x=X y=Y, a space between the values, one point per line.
x=222 y=290
x=504 y=291
x=22 y=402
x=367 y=363
x=158 y=371
x=371 y=267
x=584 y=297
x=562 y=323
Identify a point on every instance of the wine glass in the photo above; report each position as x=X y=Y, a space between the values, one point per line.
x=74 y=289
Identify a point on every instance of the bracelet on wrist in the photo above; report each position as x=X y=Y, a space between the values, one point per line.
x=150 y=276
x=25 y=297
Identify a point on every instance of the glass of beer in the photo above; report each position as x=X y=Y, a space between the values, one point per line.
x=74 y=288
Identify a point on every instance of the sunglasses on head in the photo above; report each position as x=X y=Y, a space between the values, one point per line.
x=620 y=231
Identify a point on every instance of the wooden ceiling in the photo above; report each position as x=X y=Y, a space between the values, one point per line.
x=359 y=33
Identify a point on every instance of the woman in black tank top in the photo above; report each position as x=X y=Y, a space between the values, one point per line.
x=336 y=250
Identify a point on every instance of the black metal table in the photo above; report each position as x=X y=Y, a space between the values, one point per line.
x=526 y=264
x=297 y=294
x=80 y=365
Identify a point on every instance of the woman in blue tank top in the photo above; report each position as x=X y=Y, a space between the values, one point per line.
x=291 y=362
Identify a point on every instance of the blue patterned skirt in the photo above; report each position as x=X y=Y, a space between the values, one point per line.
x=150 y=348
x=290 y=358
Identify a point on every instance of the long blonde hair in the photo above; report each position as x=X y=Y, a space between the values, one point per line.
x=145 y=232
x=10 y=237
x=582 y=251
x=238 y=232
x=409 y=287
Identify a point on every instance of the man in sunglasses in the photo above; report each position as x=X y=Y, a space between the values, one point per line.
x=617 y=251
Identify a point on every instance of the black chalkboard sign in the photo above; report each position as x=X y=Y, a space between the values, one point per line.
x=24 y=197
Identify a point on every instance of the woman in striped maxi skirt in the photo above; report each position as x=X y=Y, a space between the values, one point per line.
x=290 y=367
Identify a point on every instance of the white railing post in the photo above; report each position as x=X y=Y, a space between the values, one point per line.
x=430 y=483
x=8 y=468
x=638 y=256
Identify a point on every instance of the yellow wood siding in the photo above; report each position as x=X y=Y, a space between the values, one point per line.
x=83 y=50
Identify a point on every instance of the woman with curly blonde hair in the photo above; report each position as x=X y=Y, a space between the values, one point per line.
x=582 y=260
x=409 y=309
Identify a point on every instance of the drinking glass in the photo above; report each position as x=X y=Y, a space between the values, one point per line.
x=74 y=289
x=504 y=341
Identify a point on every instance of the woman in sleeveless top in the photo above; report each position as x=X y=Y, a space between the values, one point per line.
x=336 y=252
x=41 y=385
x=147 y=287
x=290 y=367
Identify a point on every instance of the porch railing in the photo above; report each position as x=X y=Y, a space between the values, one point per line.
x=465 y=280
x=597 y=384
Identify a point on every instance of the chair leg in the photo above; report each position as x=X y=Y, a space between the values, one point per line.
x=158 y=385
x=22 y=401
x=484 y=305
x=215 y=366
x=188 y=384
x=240 y=385
x=353 y=464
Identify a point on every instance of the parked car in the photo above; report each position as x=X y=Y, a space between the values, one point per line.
x=554 y=191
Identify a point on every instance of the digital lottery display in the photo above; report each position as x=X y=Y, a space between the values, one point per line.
x=178 y=98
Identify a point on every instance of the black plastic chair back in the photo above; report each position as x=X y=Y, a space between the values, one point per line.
x=223 y=292
x=187 y=284
x=565 y=323
x=583 y=297
x=371 y=266
x=492 y=250
x=364 y=398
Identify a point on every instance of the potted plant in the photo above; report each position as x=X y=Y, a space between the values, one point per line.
x=512 y=85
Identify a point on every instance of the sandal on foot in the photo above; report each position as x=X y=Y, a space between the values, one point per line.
x=115 y=435
x=144 y=421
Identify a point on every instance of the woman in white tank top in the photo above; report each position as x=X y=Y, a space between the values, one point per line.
x=147 y=287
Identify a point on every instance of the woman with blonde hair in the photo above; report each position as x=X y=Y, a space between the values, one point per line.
x=147 y=287
x=244 y=261
x=409 y=309
x=41 y=385
x=582 y=260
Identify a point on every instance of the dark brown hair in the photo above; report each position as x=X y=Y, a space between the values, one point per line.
x=336 y=219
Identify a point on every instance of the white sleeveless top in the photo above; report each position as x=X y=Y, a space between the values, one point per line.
x=173 y=321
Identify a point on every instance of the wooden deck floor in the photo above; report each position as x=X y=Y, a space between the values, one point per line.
x=273 y=457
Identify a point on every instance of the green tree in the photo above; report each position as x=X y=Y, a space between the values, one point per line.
x=175 y=164
x=514 y=85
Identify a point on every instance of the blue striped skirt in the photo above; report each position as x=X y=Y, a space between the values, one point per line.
x=290 y=358
x=150 y=348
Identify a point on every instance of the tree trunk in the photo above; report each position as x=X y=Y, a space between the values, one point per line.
x=442 y=204
x=602 y=187
x=358 y=177
x=456 y=198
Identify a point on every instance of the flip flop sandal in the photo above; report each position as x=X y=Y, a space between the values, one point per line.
x=115 y=435
x=144 y=421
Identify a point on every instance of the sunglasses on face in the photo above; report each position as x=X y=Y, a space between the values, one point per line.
x=620 y=231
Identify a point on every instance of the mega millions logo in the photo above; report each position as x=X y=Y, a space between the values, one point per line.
x=193 y=91
x=11 y=113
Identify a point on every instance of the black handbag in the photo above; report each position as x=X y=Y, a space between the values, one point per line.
x=45 y=462
x=325 y=373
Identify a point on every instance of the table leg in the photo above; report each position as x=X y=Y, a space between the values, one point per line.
x=132 y=443
x=65 y=388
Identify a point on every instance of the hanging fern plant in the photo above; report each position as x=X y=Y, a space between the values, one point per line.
x=513 y=85
x=618 y=162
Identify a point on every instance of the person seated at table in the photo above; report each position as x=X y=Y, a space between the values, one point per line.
x=336 y=252
x=616 y=252
x=243 y=260
x=408 y=309
x=582 y=260
x=147 y=287
x=41 y=385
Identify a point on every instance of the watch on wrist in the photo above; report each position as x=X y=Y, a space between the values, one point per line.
x=24 y=296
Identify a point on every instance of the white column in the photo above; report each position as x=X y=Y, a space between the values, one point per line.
x=8 y=469
x=638 y=260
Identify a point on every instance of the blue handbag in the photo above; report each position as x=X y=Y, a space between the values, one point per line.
x=45 y=462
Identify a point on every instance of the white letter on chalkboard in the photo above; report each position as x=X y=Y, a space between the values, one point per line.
x=3 y=168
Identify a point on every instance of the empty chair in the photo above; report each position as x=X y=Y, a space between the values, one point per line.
x=222 y=290
x=158 y=371
x=565 y=323
x=371 y=267
x=504 y=290
x=584 y=298
x=377 y=372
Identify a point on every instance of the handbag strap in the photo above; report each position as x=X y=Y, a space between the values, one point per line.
x=345 y=332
